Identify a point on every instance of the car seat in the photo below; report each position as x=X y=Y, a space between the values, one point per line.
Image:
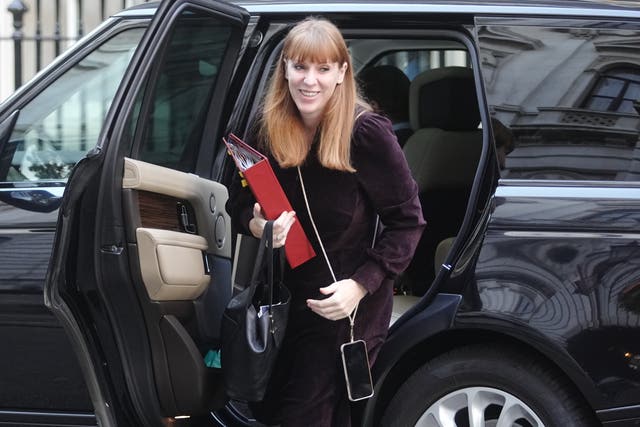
x=387 y=88
x=443 y=154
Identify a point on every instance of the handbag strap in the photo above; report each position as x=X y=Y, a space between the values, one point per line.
x=269 y=232
x=352 y=316
x=266 y=244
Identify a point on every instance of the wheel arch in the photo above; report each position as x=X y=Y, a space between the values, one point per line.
x=434 y=343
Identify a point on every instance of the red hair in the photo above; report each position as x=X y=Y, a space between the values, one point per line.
x=314 y=40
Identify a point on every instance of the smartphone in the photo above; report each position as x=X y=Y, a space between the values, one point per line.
x=357 y=374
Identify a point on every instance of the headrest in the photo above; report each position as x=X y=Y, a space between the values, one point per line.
x=388 y=86
x=444 y=98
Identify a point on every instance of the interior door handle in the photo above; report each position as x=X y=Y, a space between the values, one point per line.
x=185 y=221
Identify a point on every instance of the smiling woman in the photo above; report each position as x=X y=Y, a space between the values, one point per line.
x=311 y=86
x=353 y=167
x=521 y=305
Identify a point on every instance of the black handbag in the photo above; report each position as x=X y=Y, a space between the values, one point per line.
x=253 y=326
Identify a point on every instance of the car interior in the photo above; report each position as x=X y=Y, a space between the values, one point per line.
x=442 y=143
x=443 y=154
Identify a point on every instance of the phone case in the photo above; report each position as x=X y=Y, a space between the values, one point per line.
x=357 y=374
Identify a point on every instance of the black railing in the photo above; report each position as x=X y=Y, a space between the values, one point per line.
x=24 y=11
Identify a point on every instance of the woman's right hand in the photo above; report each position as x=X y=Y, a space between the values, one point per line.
x=281 y=225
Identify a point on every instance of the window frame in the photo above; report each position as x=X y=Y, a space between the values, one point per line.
x=616 y=101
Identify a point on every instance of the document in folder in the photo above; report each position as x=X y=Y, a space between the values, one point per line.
x=255 y=168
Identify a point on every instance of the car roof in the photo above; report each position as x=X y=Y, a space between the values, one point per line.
x=553 y=8
x=607 y=8
x=571 y=4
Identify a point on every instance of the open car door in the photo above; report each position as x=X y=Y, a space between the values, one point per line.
x=140 y=272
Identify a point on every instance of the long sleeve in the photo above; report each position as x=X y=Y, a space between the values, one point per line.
x=383 y=173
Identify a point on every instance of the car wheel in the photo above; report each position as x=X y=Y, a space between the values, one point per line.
x=482 y=386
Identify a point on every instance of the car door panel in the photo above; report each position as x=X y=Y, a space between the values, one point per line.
x=205 y=197
x=171 y=246
x=177 y=233
x=148 y=257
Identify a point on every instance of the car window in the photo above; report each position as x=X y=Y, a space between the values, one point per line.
x=412 y=56
x=413 y=62
x=564 y=101
x=386 y=69
x=176 y=115
x=58 y=126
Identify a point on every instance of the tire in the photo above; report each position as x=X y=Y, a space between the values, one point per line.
x=498 y=383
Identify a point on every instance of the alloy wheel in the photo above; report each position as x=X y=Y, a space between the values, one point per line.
x=479 y=407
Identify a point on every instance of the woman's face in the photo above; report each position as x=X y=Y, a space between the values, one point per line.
x=311 y=85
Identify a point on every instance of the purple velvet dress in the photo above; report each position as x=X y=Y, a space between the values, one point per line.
x=308 y=386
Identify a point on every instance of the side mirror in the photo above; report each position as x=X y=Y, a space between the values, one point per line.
x=42 y=200
x=33 y=199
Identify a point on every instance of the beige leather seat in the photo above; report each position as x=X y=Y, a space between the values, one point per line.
x=443 y=155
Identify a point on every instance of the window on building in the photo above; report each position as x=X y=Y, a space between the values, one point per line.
x=615 y=90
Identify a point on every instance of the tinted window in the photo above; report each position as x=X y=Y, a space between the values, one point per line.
x=386 y=68
x=413 y=62
x=182 y=92
x=565 y=97
x=57 y=127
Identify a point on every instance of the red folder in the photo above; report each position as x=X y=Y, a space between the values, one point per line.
x=255 y=168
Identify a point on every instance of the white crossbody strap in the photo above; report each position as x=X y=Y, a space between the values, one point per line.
x=352 y=316
x=313 y=223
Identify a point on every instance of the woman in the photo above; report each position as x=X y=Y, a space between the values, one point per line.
x=353 y=169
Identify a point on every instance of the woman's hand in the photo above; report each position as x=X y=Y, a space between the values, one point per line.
x=345 y=294
x=281 y=225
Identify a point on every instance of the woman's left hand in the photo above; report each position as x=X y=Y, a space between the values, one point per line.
x=344 y=295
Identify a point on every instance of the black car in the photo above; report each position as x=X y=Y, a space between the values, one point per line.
x=519 y=120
